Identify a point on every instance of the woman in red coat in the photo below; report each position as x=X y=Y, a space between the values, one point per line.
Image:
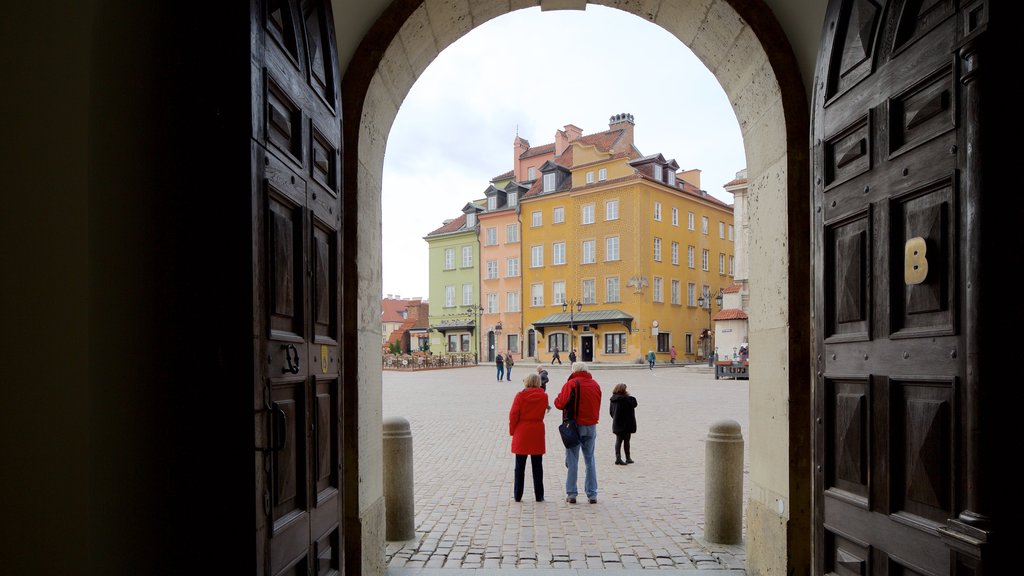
x=526 y=426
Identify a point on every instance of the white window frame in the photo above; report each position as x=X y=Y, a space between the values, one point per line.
x=537 y=294
x=531 y=173
x=732 y=265
x=657 y=249
x=536 y=219
x=512 y=200
x=611 y=249
x=658 y=172
x=721 y=230
x=691 y=294
x=704 y=225
x=449 y=296
x=689 y=220
x=602 y=174
x=557 y=292
x=657 y=211
x=675 y=292
x=491 y=236
x=558 y=214
x=731 y=232
x=492 y=303
x=611 y=289
x=690 y=256
x=549 y=181
x=675 y=217
x=675 y=253
x=467 y=256
x=512 y=301
x=536 y=256
x=470 y=220
x=492 y=203
x=590 y=177
x=467 y=294
x=587 y=214
x=492 y=269
x=611 y=210
x=657 y=289
x=721 y=264
x=705 y=260
x=512 y=267
x=588 y=251
x=589 y=291
x=449 y=258
x=558 y=254
x=511 y=233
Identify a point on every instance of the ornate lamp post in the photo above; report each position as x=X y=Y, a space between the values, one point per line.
x=569 y=305
x=475 y=311
x=705 y=301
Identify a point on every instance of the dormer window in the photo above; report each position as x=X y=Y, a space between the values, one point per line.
x=671 y=178
x=549 y=182
x=513 y=199
x=470 y=220
x=531 y=173
x=657 y=172
x=602 y=174
x=492 y=203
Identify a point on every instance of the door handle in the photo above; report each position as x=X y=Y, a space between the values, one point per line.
x=291 y=354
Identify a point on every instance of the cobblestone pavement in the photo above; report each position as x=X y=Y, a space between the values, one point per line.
x=649 y=515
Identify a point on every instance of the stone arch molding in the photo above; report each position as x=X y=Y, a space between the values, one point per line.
x=748 y=63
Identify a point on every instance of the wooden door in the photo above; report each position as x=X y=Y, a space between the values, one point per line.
x=896 y=185
x=296 y=153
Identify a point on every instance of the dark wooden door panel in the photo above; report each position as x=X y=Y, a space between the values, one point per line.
x=891 y=398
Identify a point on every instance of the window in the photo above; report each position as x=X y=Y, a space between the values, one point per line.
x=558 y=215
x=704 y=260
x=675 y=216
x=470 y=220
x=492 y=269
x=675 y=292
x=657 y=172
x=467 y=256
x=492 y=203
x=558 y=253
x=611 y=248
x=611 y=210
x=587 y=214
x=559 y=340
x=721 y=230
x=590 y=177
x=732 y=265
x=512 y=233
x=512 y=267
x=513 y=199
x=602 y=174
x=536 y=218
x=549 y=182
x=453 y=342
x=689 y=256
x=537 y=294
x=611 y=288
x=512 y=301
x=467 y=294
x=671 y=178
x=615 y=343
x=589 y=291
x=449 y=296
x=513 y=343
x=704 y=225
x=558 y=292
x=490 y=236
x=492 y=303
x=675 y=253
x=531 y=173
x=731 y=238
x=721 y=264
x=658 y=292
x=689 y=220
x=464 y=338
x=657 y=249
x=689 y=343
x=691 y=294
x=449 y=258
x=663 y=341
x=589 y=252
x=536 y=256
x=657 y=211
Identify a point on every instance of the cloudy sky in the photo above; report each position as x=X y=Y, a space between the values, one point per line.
x=531 y=73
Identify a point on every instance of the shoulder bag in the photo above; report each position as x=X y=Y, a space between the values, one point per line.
x=568 y=429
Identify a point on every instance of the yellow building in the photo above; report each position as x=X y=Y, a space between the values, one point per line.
x=618 y=249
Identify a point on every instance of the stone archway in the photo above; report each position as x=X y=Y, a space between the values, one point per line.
x=741 y=43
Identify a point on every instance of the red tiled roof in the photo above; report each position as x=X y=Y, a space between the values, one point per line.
x=452 y=226
x=735 y=182
x=504 y=175
x=732 y=288
x=538 y=150
x=731 y=314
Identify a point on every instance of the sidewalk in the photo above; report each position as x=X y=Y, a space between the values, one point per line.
x=649 y=515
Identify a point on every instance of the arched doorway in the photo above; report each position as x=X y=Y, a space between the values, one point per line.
x=745 y=48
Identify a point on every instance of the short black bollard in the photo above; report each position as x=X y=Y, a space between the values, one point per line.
x=723 y=483
x=398 y=480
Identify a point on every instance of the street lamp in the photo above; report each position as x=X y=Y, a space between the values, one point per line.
x=569 y=305
x=475 y=310
x=705 y=299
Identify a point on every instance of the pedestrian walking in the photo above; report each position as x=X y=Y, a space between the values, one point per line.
x=500 y=362
x=508 y=366
x=572 y=356
x=543 y=377
x=581 y=384
x=672 y=355
x=651 y=358
x=554 y=355
x=526 y=427
x=622 y=408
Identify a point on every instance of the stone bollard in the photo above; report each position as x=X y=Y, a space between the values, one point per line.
x=398 y=487
x=723 y=483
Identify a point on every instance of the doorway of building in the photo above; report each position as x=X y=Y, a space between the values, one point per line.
x=587 y=347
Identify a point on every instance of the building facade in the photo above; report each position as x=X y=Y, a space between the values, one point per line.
x=454 y=287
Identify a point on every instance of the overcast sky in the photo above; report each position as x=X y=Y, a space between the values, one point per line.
x=533 y=72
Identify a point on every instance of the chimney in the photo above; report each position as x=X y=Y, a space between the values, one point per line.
x=519 y=147
x=625 y=123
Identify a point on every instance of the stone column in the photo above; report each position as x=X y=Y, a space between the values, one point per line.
x=398 y=480
x=723 y=483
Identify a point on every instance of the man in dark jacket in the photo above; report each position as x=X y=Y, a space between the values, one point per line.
x=582 y=385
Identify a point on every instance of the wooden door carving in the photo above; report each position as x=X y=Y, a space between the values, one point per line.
x=894 y=185
x=296 y=155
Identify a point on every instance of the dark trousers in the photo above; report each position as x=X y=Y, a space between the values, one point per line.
x=537 y=462
x=622 y=441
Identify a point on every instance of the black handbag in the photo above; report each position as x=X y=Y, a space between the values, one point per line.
x=568 y=429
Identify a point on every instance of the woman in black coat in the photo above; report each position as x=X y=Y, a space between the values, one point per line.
x=622 y=408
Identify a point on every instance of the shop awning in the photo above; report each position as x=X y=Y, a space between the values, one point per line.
x=591 y=318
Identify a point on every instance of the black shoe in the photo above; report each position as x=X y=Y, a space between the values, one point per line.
x=570 y=500
x=628 y=461
x=592 y=500
x=620 y=462
x=540 y=499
